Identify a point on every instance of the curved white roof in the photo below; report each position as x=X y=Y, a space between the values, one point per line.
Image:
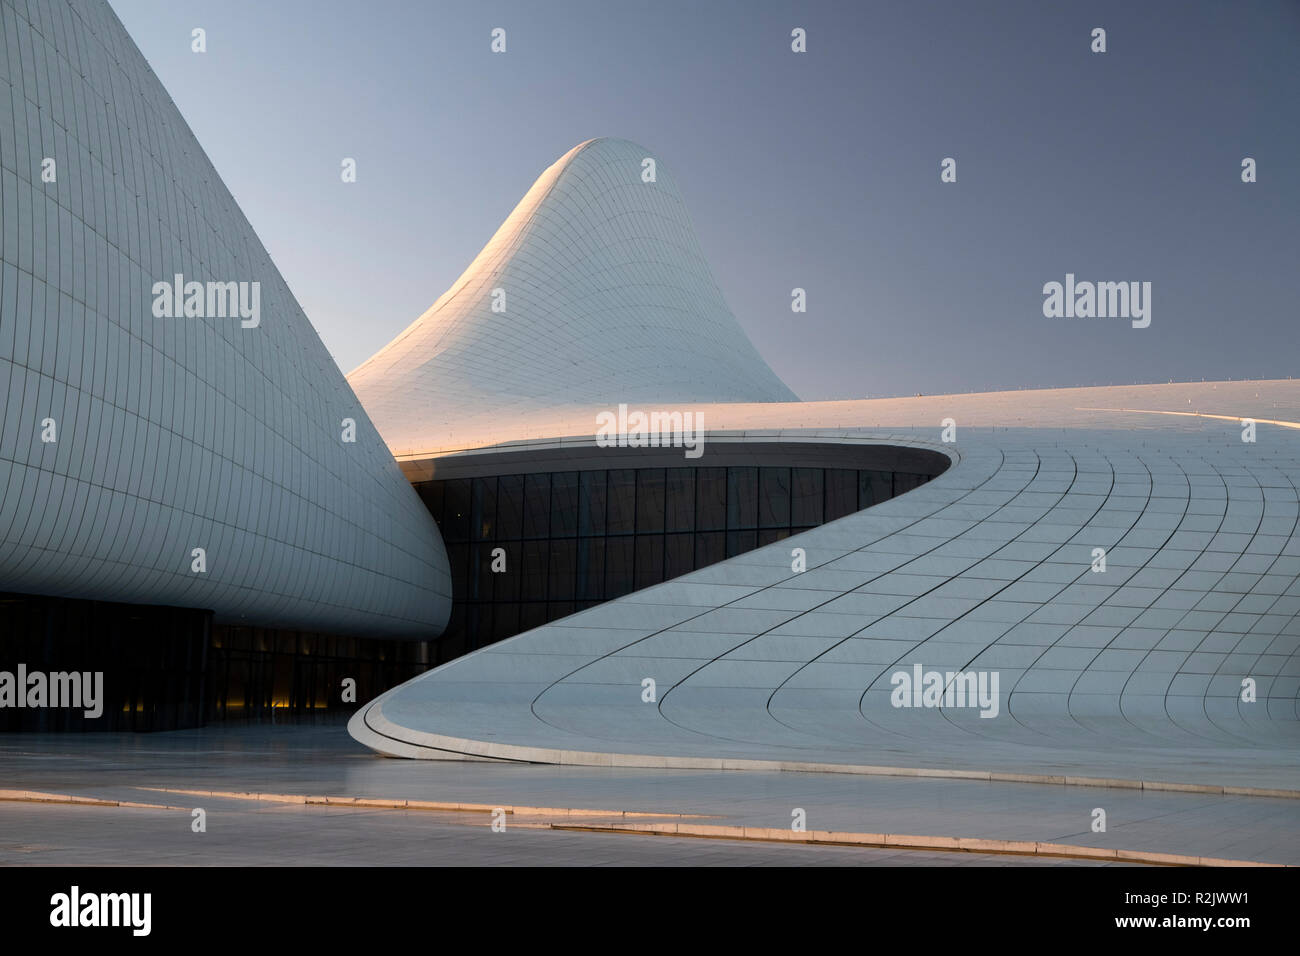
x=607 y=298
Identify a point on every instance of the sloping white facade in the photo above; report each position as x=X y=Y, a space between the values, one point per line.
x=130 y=440
x=593 y=291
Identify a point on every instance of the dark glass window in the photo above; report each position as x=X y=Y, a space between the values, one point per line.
x=454 y=642
x=774 y=497
x=806 y=496
x=904 y=482
x=679 y=499
x=505 y=622
x=458 y=557
x=478 y=624
x=591 y=569
x=874 y=487
x=679 y=555
x=510 y=507
x=618 y=566
x=742 y=498
x=564 y=504
x=710 y=499
x=649 y=560
x=533 y=570
x=573 y=539
x=564 y=554
x=480 y=582
x=455 y=510
x=506 y=583
x=531 y=614
x=485 y=508
x=841 y=492
x=591 y=503
x=622 y=501
x=649 y=500
x=710 y=548
x=537 y=505
x=738 y=542
x=431 y=494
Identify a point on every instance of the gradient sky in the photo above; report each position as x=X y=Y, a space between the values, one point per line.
x=818 y=170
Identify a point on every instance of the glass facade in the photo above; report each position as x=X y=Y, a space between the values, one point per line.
x=567 y=540
x=257 y=673
x=167 y=668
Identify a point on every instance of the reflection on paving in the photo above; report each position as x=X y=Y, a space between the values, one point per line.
x=337 y=837
x=320 y=760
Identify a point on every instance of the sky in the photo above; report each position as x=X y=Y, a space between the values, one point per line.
x=817 y=170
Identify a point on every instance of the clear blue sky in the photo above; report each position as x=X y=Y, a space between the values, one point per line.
x=818 y=170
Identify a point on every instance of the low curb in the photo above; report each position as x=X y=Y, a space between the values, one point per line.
x=898 y=841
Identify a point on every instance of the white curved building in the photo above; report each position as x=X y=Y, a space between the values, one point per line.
x=1134 y=670
x=1117 y=564
x=1117 y=569
x=194 y=461
x=594 y=290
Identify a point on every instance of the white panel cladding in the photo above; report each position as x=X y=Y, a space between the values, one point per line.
x=604 y=296
x=1177 y=659
x=172 y=433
